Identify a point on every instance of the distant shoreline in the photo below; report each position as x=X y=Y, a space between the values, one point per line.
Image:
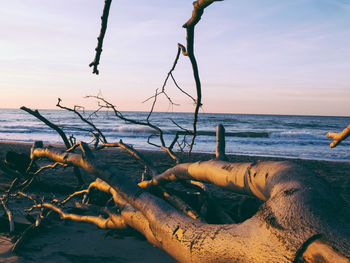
x=200 y=113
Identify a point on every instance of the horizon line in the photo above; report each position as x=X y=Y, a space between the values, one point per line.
x=189 y=112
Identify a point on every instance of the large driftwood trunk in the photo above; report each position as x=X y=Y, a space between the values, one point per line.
x=298 y=209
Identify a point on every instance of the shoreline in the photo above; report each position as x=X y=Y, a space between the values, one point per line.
x=265 y=136
x=248 y=156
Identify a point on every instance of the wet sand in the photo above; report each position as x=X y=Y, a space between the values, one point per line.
x=80 y=242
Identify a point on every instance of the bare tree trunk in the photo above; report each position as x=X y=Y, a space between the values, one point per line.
x=298 y=208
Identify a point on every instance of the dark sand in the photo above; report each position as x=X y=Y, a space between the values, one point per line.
x=80 y=242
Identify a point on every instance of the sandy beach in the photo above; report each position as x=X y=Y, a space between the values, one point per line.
x=80 y=242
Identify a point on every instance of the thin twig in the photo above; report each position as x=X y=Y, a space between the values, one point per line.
x=158 y=131
x=52 y=166
x=73 y=195
x=83 y=119
x=116 y=221
x=27 y=196
x=9 y=216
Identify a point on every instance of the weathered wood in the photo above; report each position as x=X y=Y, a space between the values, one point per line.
x=220 y=143
x=338 y=137
x=322 y=251
x=9 y=216
x=297 y=207
x=198 y=9
x=104 y=20
x=37 y=115
x=113 y=221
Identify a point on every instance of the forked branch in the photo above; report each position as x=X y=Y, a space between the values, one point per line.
x=103 y=103
x=60 y=132
x=198 y=9
x=338 y=137
x=74 y=110
x=113 y=221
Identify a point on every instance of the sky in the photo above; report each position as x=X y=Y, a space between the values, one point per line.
x=254 y=56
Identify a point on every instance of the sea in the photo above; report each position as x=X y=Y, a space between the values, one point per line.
x=246 y=134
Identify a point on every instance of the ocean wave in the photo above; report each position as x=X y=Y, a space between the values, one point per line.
x=245 y=134
x=304 y=125
x=26 y=130
x=147 y=130
x=139 y=129
x=298 y=135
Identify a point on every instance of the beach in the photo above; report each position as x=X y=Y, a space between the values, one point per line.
x=80 y=242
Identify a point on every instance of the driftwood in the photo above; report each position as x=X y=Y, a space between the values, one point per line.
x=53 y=126
x=338 y=137
x=98 y=49
x=298 y=210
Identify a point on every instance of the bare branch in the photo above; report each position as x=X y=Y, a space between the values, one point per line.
x=27 y=196
x=83 y=119
x=73 y=195
x=338 y=137
x=98 y=49
x=175 y=201
x=166 y=80
x=136 y=154
x=49 y=166
x=9 y=215
x=37 y=115
x=60 y=132
x=147 y=123
x=114 y=221
x=198 y=9
x=152 y=108
x=184 y=92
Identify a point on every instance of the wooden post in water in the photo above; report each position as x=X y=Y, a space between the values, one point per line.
x=220 y=143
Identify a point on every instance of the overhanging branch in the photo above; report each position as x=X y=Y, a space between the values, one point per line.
x=100 y=38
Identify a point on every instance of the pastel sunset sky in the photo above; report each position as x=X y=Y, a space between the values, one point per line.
x=254 y=56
